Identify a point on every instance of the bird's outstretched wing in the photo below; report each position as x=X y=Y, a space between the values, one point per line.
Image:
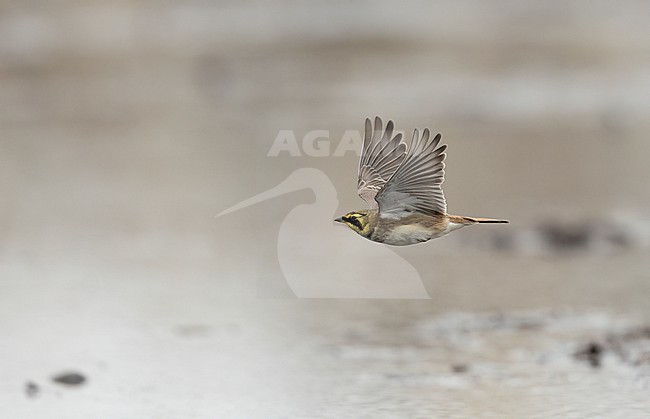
x=416 y=186
x=381 y=155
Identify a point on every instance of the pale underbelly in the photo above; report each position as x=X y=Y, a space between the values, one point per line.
x=415 y=233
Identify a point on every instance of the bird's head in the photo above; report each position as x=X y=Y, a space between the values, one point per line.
x=359 y=221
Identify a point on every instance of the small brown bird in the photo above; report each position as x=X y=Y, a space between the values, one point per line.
x=403 y=189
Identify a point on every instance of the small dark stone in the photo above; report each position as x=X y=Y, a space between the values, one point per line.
x=592 y=353
x=31 y=389
x=69 y=379
x=459 y=368
x=567 y=237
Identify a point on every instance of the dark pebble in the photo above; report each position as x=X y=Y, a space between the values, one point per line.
x=567 y=237
x=459 y=368
x=592 y=353
x=31 y=389
x=69 y=379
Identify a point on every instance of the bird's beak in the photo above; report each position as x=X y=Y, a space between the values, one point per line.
x=338 y=220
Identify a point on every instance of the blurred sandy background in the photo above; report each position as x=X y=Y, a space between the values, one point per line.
x=126 y=126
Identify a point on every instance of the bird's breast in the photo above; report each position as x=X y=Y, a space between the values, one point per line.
x=404 y=235
x=412 y=230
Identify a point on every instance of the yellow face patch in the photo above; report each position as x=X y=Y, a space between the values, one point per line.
x=355 y=221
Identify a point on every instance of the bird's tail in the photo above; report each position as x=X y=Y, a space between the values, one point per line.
x=477 y=220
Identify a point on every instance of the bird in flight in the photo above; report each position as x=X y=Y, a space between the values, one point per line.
x=403 y=187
